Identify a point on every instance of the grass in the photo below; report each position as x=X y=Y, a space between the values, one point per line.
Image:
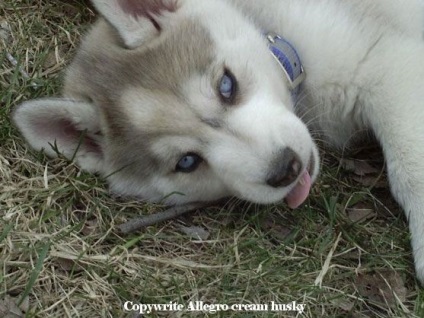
x=61 y=256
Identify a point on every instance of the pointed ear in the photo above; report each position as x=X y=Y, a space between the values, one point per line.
x=73 y=126
x=137 y=21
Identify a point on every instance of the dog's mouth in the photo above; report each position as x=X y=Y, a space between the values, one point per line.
x=301 y=190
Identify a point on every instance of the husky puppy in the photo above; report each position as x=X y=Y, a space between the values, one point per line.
x=183 y=100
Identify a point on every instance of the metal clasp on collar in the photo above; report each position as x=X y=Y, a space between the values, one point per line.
x=288 y=59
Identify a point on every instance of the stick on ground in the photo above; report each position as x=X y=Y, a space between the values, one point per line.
x=171 y=213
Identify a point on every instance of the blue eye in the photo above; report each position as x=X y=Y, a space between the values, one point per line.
x=188 y=163
x=227 y=86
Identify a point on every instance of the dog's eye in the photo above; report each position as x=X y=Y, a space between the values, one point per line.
x=188 y=163
x=227 y=86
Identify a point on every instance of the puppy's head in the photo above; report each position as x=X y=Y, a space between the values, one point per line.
x=178 y=101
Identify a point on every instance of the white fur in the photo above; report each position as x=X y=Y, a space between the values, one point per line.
x=364 y=73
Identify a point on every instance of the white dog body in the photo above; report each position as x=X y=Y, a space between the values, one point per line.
x=365 y=66
x=181 y=100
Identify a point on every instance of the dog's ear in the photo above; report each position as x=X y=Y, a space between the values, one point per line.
x=70 y=127
x=137 y=21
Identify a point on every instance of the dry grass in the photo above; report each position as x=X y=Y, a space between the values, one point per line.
x=60 y=255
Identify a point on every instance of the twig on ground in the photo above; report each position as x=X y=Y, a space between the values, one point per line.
x=171 y=213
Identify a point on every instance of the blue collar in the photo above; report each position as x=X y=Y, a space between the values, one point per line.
x=289 y=60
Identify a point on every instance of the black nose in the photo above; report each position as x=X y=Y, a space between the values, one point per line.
x=284 y=169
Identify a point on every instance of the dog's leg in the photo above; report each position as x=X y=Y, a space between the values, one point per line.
x=395 y=111
x=405 y=167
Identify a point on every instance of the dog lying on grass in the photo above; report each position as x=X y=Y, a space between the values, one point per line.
x=184 y=101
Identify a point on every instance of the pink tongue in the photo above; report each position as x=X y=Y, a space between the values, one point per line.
x=300 y=192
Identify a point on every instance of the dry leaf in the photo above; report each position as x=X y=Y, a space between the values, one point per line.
x=66 y=264
x=360 y=212
x=358 y=167
x=276 y=230
x=371 y=181
x=344 y=304
x=365 y=174
x=90 y=227
x=381 y=287
x=195 y=232
x=9 y=308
